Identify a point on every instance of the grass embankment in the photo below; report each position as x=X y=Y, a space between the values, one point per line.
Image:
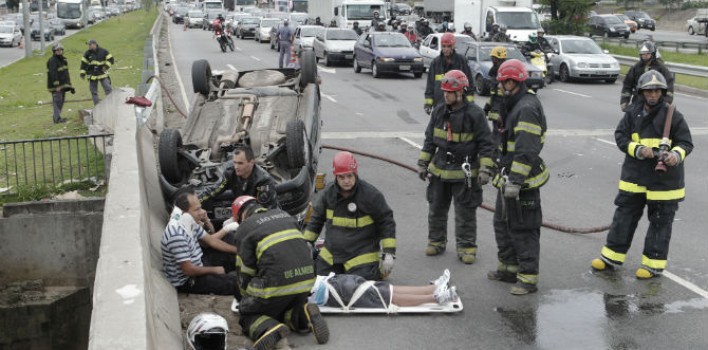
x=668 y=56
x=24 y=83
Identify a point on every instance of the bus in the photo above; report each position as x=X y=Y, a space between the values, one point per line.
x=74 y=13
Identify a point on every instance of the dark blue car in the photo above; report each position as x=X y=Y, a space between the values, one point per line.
x=480 y=62
x=387 y=52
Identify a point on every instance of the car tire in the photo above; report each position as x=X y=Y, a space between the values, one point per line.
x=375 y=70
x=357 y=67
x=610 y=81
x=201 y=77
x=308 y=68
x=564 y=73
x=480 y=86
x=690 y=31
x=295 y=143
x=626 y=36
x=653 y=29
x=172 y=165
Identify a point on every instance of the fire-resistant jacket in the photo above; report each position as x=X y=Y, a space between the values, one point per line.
x=259 y=185
x=629 y=84
x=638 y=176
x=58 y=74
x=357 y=226
x=436 y=73
x=522 y=139
x=95 y=64
x=273 y=259
x=453 y=137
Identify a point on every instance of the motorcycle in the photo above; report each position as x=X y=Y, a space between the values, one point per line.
x=543 y=61
x=225 y=40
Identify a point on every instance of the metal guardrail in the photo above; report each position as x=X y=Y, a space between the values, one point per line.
x=53 y=162
x=677 y=46
x=699 y=71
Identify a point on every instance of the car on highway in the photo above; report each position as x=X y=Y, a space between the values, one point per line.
x=387 y=52
x=479 y=61
x=642 y=18
x=582 y=59
x=608 y=26
x=58 y=26
x=298 y=17
x=47 y=31
x=10 y=35
x=246 y=27
x=275 y=112
x=694 y=26
x=335 y=45
x=305 y=36
x=179 y=14
x=262 y=33
x=629 y=22
x=430 y=46
x=194 y=18
x=209 y=17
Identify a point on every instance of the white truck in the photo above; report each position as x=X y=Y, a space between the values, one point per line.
x=518 y=16
x=436 y=10
x=346 y=12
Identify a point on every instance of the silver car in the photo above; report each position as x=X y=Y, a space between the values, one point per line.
x=335 y=45
x=194 y=18
x=305 y=36
x=10 y=35
x=582 y=59
x=693 y=26
x=263 y=30
x=430 y=47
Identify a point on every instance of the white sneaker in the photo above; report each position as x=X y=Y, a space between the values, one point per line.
x=443 y=280
x=445 y=295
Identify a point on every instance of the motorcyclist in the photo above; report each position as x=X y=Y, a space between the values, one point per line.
x=531 y=45
x=376 y=20
x=356 y=28
x=318 y=22
x=647 y=62
x=468 y=31
x=333 y=23
x=491 y=34
x=381 y=27
x=501 y=36
x=424 y=29
x=403 y=28
x=543 y=42
x=410 y=34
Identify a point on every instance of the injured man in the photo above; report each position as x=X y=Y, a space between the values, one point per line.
x=344 y=293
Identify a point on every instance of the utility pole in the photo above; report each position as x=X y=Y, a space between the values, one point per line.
x=41 y=28
x=28 y=30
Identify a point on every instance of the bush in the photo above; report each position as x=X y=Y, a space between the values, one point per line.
x=694 y=5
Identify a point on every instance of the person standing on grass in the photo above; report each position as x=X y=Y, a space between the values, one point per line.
x=95 y=64
x=58 y=81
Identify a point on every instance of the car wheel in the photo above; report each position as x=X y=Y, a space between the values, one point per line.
x=201 y=77
x=690 y=31
x=610 y=81
x=173 y=166
x=295 y=144
x=480 y=86
x=375 y=70
x=564 y=73
x=308 y=68
x=653 y=29
x=357 y=68
x=626 y=36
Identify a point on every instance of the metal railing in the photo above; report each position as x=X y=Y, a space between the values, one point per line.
x=677 y=46
x=53 y=162
x=698 y=71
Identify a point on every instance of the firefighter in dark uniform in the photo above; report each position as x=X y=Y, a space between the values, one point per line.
x=647 y=62
x=518 y=217
x=58 y=81
x=95 y=64
x=445 y=62
x=496 y=93
x=456 y=158
x=275 y=276
x=642 y=183
x=361 y=231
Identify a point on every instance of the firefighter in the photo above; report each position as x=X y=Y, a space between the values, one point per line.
x=95 y=63
x=647 y=62
x=445 y=62
x=359 y=225
x=456 y=155
x=642 y=183
x=275 y=277
x=518 y=217
x=493 y=105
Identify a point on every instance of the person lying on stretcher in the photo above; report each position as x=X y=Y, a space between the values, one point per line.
x=352 y=291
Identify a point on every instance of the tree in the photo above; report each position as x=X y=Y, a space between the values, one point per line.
x=568 y=16
x=13 y=4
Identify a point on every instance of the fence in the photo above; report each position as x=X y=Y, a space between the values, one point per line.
x=53 y=162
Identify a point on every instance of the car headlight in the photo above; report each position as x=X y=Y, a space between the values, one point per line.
x=582 y=65
x=612 y=29
x=615 y=65
x=536 y=74
x=386 y=59
x=418 y=59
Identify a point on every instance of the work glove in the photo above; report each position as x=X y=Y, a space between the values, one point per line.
x=72 y=90
x=644 y=153
x=669 y=158
x=484 y=176
x=428 y=108
x=623 y=106
x=82 y=76
x=423 y=173
x=511 y=190
x=231 y=227
x=386 y=265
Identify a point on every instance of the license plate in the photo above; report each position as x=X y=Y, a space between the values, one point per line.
x=404 y=67
x=222 y=213
x=348 y=56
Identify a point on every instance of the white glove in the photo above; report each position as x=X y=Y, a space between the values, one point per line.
x=386 y=265
x=231 y=227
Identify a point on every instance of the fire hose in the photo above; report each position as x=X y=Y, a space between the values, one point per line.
x=486 y=206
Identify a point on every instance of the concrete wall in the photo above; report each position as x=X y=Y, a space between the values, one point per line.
x=54 y=241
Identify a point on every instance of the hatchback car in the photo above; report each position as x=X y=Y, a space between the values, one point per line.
x=179 y=14
x=305 y=36
x=480 y=62
x=693 y=26
x=10 y=35
x=642 y=18
x=430 y=47
x=247 y=26
x=47 y=29
x=335 y=45
x=608 y=26
x=262 y=33
x=194 y=18
x=387 y=52
x=581 y=58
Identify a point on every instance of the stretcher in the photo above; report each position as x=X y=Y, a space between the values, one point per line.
x=450 y=307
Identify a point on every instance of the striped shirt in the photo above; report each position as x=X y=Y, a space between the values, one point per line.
x=178 y=246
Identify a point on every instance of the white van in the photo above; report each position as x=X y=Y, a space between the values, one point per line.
x=519 y=21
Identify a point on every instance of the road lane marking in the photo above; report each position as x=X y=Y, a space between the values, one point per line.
x=334 y=135
x=410 y=142
x=605 y=141
x=179 y=79
x=327 y=70
x=255 y=58
x=328 y=97
x=231 y=67
x=686 y=284
x=572 y=93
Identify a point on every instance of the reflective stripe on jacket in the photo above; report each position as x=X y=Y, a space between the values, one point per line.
x=436 y=72
x=58 y=73
x=95 y=64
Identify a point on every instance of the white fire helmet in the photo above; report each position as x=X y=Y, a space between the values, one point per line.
x=207 y=331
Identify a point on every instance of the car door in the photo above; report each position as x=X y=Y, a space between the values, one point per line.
x=318 y=44
x=365 y=54
x=424 y=50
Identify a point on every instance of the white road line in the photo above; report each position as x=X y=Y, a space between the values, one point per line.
x=369 y=134
x=231 y=67
x=238 y=48
x=179 y=79
x=410 y=142
x=255 y=58
x=688 y=285
x=329 y=97
x=605 y=141
x=572 y=93
x=327 y=70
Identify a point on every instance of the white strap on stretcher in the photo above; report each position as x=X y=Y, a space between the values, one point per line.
x=357 y=294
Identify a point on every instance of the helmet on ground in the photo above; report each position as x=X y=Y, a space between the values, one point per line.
x=239 y=204
x=533 y=38
x=448 y=39
x=57 y=46
x=498 y=52
x=651 y=80
x=512 y=69
x=454 y=80
x=468 y=26
x=207 y=331
x=502 y=28
x=344 y=163
x=541 y=31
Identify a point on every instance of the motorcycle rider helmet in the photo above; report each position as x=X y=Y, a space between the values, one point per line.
x=512 y=69
x=454 y=80
x=451 y=27
x=344 y=163
x=533 y=38
x=498 y=52
x=207 y=331
x=376 y=14
x=355 y=24
x=468 y=27
x=502 y=28
x=495 y=27
x=220 y=17
x=57 y=46
x=381 y=26
x=448 y=39
x=652 y=80
x=241 y=203
x=648 y=47
x=540 y=31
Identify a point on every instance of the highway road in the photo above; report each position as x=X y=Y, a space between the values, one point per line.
x=574 y=308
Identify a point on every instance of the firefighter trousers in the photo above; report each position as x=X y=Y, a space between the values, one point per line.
x=624 y=223
x=258 y=315
x=517 y=229
x=439 y=195
x=93 y=87
x=57 y=104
